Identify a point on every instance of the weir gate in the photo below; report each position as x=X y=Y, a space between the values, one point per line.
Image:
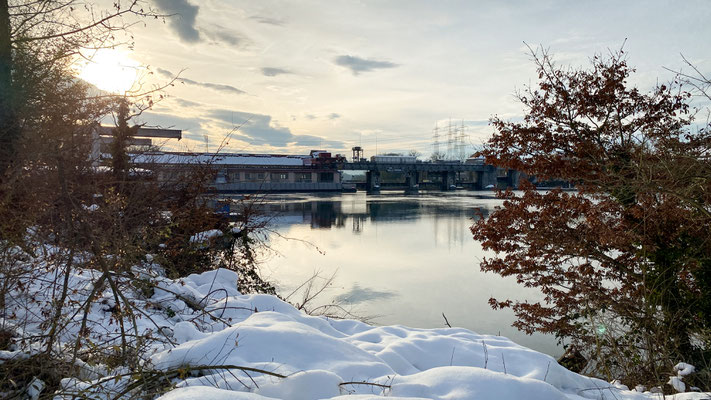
x=445 y=175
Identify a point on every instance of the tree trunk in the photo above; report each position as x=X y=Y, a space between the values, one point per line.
x=9 y=128
x=121 y=136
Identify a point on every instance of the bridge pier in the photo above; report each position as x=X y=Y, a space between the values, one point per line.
x=512 y=178
x=444 y=174
x=486 y=179
x=372 y=181
x=448 y=180
x=412 y=178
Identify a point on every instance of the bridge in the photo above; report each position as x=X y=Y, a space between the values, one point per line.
x=480 y=175
x=318 y=171
x=240 y=173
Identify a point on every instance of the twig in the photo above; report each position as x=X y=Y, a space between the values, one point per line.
x=177 y=373
x=366 y=383
x=446 y=322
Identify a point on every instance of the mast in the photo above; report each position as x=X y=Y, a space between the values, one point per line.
x=436 y=140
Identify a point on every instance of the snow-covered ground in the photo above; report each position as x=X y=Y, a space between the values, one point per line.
x=209 y=331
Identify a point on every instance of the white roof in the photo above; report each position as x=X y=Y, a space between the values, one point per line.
x=221 y=159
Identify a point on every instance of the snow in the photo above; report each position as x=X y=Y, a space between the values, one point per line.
x=90 y=208
x=684 y=369
x=202 y=237
x=35 y=388
x=676 y=382
x=203 y=321
x=202 y=393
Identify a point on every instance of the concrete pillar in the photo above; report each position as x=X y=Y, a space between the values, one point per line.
x=487 y=179
x=512 y=178
x=372 y=180
x=412 y=179
x=448 y=180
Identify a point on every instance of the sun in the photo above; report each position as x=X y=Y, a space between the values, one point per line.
x=111 y=70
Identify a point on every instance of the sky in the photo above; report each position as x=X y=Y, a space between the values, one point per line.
x=275 y=76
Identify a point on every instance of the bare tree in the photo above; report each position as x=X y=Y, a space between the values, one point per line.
x=437 y=156
x=36 y=38
x=414 y=153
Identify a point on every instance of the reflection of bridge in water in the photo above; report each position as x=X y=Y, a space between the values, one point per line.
x=336 y=213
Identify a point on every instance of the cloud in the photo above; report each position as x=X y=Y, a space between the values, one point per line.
x=312 y=117
x=259 y=129
x=186 y=103
x=358 y=65
x=214 y=86
x=443 y=123
x=480 y=122
x=268 y=71
x=267 y=20
x=223 y=35
x=182 y=19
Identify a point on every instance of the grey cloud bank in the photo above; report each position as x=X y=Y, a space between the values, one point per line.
x=358 y=65
x=259 y=129
x=222 y=35
x=214 y=86
x=267 y=20
x=182 y=20
x=268 y=71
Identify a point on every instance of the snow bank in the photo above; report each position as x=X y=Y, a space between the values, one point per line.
x=210 y=329
x=332 y=359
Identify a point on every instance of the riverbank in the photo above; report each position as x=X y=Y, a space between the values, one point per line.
x=203 y=339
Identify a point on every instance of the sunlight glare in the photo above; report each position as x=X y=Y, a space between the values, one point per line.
x=111 y=70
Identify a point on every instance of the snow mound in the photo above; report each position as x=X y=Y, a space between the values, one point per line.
x=226 y=345
x=345 y=359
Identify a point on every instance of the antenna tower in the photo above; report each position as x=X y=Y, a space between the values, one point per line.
x=450 y=141
x=436 y=140
x=462 y=143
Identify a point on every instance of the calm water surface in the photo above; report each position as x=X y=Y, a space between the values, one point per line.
x=406 y=259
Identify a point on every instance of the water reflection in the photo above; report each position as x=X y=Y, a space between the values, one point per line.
x=407 y=259
x=357 y=295
x=354 y=212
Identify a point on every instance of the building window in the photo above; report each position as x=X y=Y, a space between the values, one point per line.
x=279 y=177
x=325 y=177
x=254 y=176
x=303 y=177
x=234 y=176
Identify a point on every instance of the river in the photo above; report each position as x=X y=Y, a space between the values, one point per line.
x=399 y=259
